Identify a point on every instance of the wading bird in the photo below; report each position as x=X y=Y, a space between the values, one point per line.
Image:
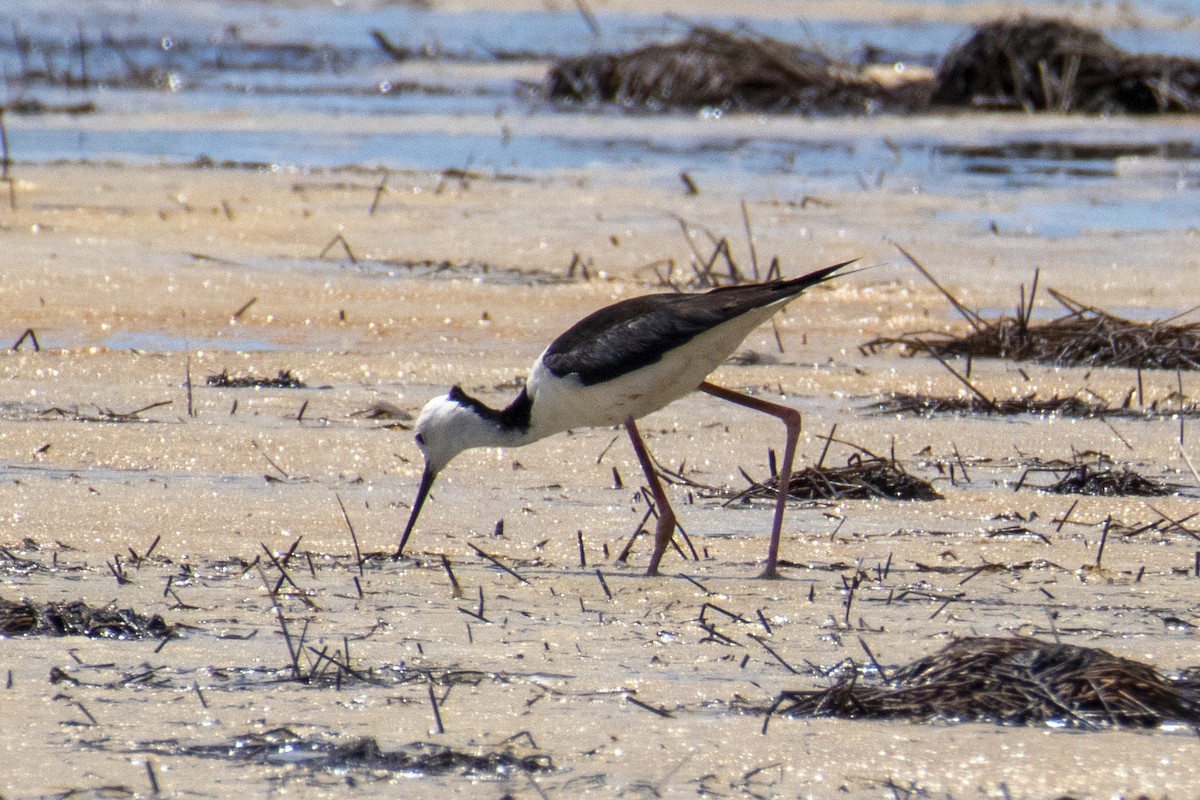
x=613 y=367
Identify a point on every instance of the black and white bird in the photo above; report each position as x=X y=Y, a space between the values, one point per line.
x=613 y=367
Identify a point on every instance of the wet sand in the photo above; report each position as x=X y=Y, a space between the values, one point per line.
x=131 y=278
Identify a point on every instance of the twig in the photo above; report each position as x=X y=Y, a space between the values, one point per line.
x=31 y=336
x=970 y=316
x=358 y=557
x=499 y=564
x=437 y=713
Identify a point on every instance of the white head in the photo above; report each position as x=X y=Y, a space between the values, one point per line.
x=447 y=425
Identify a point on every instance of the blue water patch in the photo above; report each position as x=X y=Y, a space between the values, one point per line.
x=238 y=76
x=1069 y=219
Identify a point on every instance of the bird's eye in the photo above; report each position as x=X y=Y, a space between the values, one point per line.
x=420 y=440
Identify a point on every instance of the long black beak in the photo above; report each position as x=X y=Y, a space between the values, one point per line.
x=422 y=492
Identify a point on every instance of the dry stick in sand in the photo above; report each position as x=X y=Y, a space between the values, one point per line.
x=6 y=163
x=379 y=190
x=358 y=557
x=437 y=714
x=603 y=584
x=477 y=613
x=589 y=19
x=1191 y=466
x=293 y=650
x=662 y=712
x=970 y=316
x=688 y=183
x=499 y=564
x=187 y=383
x=989 y=402
x=237 y=315
x=31 y=336
x=345 y=245
x=1065 y=516
x=455 y=586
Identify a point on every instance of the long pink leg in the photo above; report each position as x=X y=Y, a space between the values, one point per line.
x=666 y=515
x=792 y=420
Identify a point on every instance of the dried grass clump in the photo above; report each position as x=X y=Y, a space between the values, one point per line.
x=1017 y=681
x=1083 y=337
x=1056 y=65
x=77 y=618
x=1095 y=474
x=864 y=477
x=1025 y=63
x=711 y=68
x=284 y=380
x=928 y=405
x=282 y=745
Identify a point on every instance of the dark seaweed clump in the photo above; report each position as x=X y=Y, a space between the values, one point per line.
x=77 y=618
x=284 y=380
x=1083 y=337
x=1017 y=681
x=1056 y=65
x=1027 y=63
x=1099 y=476
x=864 y=477
x=282 y=745
x=712 y=68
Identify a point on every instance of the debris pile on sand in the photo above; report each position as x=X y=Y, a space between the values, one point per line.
x=1027 y=63
x=864 y=477
x=1017 y=681
x=284 y=746
x=24 y=618
x=1055 y=65
x=715 y=69
x=1083 y=337
x=284 y=380
x=1096 y=474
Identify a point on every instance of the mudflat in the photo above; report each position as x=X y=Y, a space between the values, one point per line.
x=130 y=482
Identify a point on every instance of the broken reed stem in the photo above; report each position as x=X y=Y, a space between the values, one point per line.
x=358 y=556
x=499 y=564
x=31 y=336
x=237 y=315
x=6 y=164
x=1103 y=540
x=339 y=239
x=293 y=650
x=437 y=712
x=187 y=384
x=589 y=19
x=970 y=316
x=987 y=401
x=379 y=190
x=455 y=587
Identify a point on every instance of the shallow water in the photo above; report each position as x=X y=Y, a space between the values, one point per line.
x=243 y=83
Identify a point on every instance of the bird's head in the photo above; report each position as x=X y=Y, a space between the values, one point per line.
x=447 y=425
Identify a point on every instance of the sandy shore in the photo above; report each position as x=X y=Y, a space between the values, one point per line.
x=132 y=279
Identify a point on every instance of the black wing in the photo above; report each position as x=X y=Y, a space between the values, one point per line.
x=635 y=333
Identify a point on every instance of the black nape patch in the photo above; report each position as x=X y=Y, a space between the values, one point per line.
x=516 y=416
